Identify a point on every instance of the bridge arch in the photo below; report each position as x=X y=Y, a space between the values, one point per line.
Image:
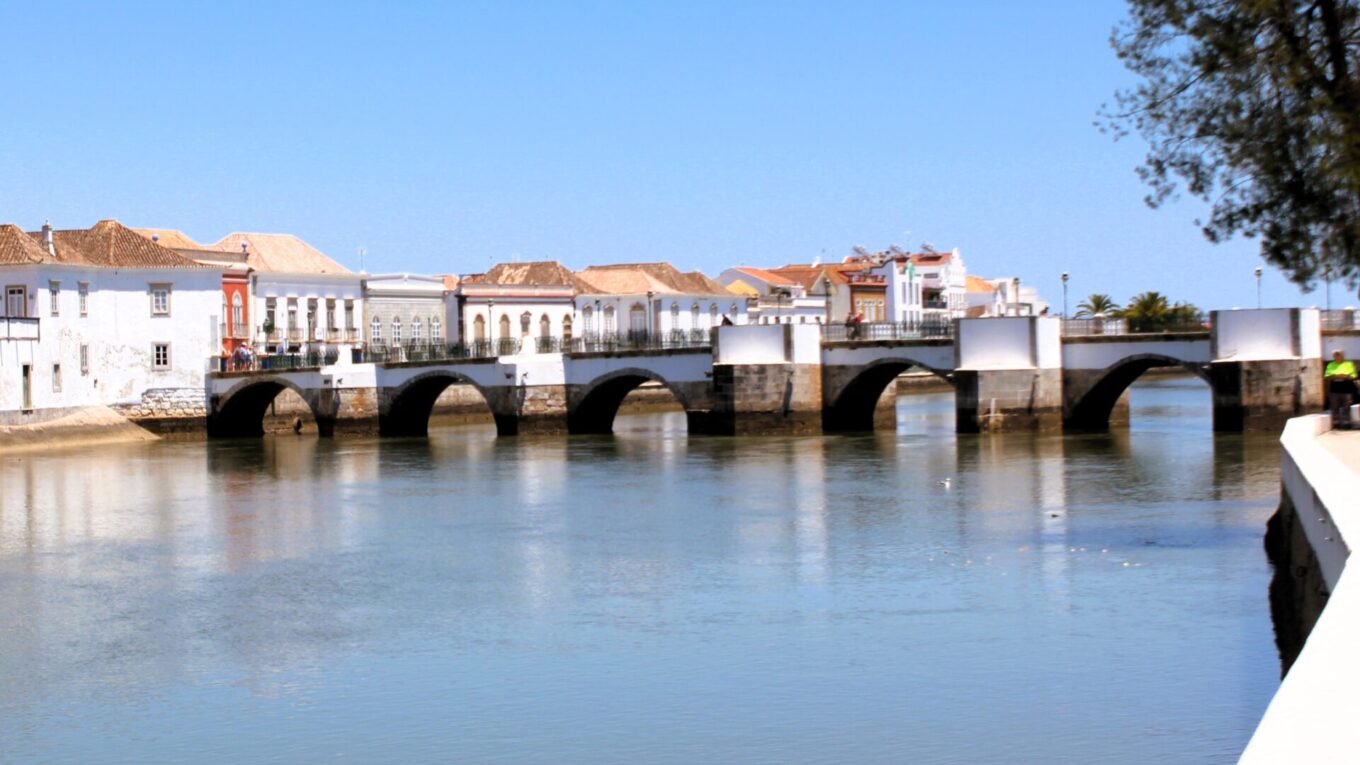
x=591 y=408
x=1090 y=395
x=240 y=411
x=851 y=394
x=405 y=410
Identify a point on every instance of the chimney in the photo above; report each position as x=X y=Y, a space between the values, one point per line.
x=245 y=247
x=47 y=239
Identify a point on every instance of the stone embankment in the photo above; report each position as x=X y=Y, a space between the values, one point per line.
x=1315 y=601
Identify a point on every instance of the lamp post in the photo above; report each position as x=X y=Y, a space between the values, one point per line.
x=1327 y=276
x=1258 y=286
x=651 y=320
x=491 y=322
x=1064 y=282
x=599 y=321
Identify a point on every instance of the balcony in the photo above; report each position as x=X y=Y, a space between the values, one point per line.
x=295 y=335
x=351 y=335
x=935 y=305
x=20 y=328
x=235 y=331
x=334 y=335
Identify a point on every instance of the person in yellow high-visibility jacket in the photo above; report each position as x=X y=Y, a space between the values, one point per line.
x=1340 y=375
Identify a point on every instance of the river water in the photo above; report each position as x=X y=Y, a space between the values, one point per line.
x=645 y=597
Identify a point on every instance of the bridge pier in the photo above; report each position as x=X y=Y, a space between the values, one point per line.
x=767 y=380
x=1009 y=374
x=1262 y=394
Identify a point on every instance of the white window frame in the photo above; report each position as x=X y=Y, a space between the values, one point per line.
x=156 y=365
x=396 y=330
x=84 y=292
x=415 y=330
x=156 y=291
x=375 y=330
x=56 y=377
x=435 y=331
x=54 y=296
x=84 y=359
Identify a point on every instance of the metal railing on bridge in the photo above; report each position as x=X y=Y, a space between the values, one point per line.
x=887 y=330
x=476 y=349
x=607 y=342
x=1340 y=319
x=274 y=362
x=1094 y=327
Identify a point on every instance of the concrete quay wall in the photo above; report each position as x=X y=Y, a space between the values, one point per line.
x=1312 y=717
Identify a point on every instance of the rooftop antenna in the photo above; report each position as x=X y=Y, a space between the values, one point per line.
x=362 y=252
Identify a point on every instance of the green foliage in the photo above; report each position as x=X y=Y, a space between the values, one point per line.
x=1098 y=303
x=1255 y=107
x=1152 y=312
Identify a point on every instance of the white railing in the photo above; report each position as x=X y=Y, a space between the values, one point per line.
x=19 y=328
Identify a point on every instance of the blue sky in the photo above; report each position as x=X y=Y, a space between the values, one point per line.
x=443 y=138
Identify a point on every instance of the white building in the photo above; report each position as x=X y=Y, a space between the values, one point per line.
x=944 y=284
x=515 y=306
x=788 y=295
x=404 y=311
x=101 y=316
x=301 y=299
x=640 y=300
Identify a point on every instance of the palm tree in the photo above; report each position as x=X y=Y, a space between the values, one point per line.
x=1147 y=312
x=1098 y=303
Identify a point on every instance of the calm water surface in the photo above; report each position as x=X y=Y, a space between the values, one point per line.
x=645 y=597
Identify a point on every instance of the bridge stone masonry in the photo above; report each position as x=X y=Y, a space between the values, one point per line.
x=1008 y=374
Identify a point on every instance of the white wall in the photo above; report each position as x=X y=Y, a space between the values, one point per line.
x=1001 y=343
x=283 y=288
x=118 y=331
x=1254 y=334
x=754 y=344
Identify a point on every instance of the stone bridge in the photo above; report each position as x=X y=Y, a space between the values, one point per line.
x=1263 y=366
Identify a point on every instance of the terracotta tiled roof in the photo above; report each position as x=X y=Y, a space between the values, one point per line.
x=740 y=287
x=16 y=247
x=169 y=237
x=450 y=281
x=978 y=284
x=807 y=276
x=931 y=258
x=280 y=253
x=110 y=244
x=539 y=273
x=766 y=275
x=640 y=278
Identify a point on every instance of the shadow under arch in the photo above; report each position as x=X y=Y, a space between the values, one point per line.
x=852 y=407
x=1087 y=407
x=408 y=408
x=592 y=411
x=240 y=412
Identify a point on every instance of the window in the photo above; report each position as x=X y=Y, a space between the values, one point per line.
x=505 y=326
x=479 y=329
x=54 y=291
x=435 y=335
x=330 y=313
x=525 y=319
x=609 y=325
x=56 y=378
x=675 y=316
x=544 y=326
x=16 y=301
x=588 y=317
x=270 y=312
x=637 y=319
x=238 y=320
x=396 y=330
x=84 y=359
x=160 y=355
x=713 y=315
x=84 y=298
x=566 y=328
x=160 y=300
x=375 y=331
x=349 y=314
x=415 y=330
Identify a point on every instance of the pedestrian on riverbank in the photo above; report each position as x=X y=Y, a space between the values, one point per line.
x=1340 y=377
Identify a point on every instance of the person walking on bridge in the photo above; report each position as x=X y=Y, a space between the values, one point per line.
x=1340 y=376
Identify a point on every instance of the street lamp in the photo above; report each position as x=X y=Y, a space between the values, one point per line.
x=1064 y=281
x=1327 y=276
x=1258 y=287
x=491 y=322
